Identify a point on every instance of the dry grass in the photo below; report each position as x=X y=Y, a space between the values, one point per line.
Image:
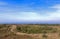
x=9 y=32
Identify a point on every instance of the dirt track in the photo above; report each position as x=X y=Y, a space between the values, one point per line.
x=50 y=35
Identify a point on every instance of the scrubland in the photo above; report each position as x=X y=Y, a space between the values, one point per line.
x=29 y=31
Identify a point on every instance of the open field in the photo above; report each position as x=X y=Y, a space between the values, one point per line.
x=29 y=31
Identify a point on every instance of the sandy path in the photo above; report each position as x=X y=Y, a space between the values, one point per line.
x=50 y=36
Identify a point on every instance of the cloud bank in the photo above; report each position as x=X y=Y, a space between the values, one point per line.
x=9 y=14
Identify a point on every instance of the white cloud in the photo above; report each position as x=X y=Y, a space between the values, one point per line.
x=32 y=16
x=57 y=6
x=21 y=16
x=56 y=14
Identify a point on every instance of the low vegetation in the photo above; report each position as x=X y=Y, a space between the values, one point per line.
x=36 y=29
x=33 y=31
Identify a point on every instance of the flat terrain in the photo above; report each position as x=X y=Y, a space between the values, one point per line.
x=29 y=31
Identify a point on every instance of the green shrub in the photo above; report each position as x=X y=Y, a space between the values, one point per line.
x=36 y=29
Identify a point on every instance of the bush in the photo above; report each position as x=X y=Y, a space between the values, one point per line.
x=35 y=29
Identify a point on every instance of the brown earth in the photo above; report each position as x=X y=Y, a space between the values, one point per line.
x=10 y=33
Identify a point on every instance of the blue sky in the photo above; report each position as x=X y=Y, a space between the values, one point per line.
x=38 y=11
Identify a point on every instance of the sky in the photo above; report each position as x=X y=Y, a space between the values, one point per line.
x=30 y=11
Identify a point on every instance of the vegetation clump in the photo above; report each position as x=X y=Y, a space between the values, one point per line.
x=36 y=29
